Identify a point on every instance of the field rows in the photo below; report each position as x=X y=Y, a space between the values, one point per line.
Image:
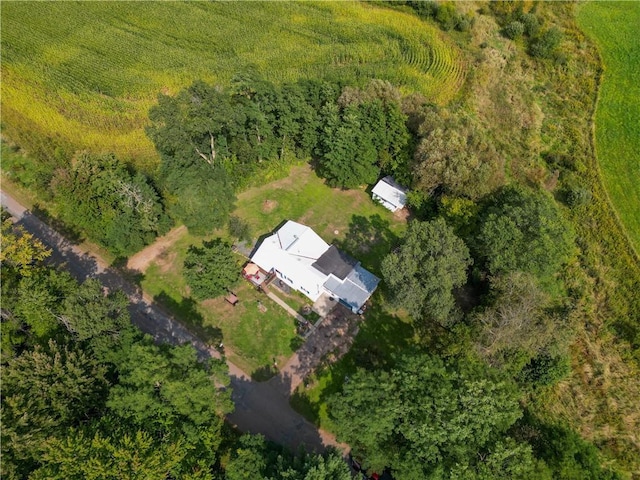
x=88 y=72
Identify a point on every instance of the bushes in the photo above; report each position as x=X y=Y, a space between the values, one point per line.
x=444 y=13
x=120 y=210
x=541 y=44
x=545 y=45
x=514 y=30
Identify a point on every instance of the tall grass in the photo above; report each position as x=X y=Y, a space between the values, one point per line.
x=614 y=25
x=85 y=74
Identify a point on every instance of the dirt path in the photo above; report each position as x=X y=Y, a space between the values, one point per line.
x=141 y=260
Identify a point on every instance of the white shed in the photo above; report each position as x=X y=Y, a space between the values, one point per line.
x=391 y=195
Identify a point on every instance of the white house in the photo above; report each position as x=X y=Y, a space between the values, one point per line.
x=298 y=256
x=391 y=195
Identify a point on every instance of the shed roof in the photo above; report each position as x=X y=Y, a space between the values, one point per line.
x=388 y=190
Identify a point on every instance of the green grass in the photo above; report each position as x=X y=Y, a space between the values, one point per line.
x=257 y=338
x=84 y=74
x=253 y=338
x=614 y=25
x=348 y=218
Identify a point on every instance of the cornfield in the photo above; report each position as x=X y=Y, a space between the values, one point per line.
x=85 y=74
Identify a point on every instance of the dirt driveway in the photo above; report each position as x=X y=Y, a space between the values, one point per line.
x=141 y=260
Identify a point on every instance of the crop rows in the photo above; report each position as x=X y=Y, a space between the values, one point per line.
x=88 y=72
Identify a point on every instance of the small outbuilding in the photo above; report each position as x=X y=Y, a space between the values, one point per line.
x=390 y=194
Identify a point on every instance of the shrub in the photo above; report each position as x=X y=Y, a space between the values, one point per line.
x=577 y=196
x=530 y=23
x=545 y=369
x=514 y=30
x=446 y=16
x=239 y=229
x=545 y=45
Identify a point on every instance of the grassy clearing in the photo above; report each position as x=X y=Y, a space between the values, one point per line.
x=82 y=89
x=613 y=25
x=253 y=338
x=348 y=218
x=257 y=338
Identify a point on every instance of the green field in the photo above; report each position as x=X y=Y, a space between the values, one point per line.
x=255 y=337
x=84 y=74
x=614 y=27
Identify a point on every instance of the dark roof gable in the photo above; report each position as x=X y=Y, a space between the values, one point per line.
x=335 y=262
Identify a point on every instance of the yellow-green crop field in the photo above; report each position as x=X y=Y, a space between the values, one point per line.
x=614 y=27
x=86 y=73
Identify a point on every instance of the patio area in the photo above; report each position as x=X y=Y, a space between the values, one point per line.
x=256 y=275
x=324 y=305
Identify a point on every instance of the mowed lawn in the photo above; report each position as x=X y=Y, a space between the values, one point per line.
x=614 y=27
x=256 y=338
x=86 y=73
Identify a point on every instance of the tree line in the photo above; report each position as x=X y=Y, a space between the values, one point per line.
x=213 y=140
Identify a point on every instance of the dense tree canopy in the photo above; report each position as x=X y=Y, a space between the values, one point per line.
x=89 y=313
x=455 y=155
x=254 y=458
x=515 y=325
x=45 y=391
x=523 y=229
x=423 y=416
x=20 y=250
x=423 y=271
x=82 y=456
x=120 y=210
x=213 y=136
x=161 y=387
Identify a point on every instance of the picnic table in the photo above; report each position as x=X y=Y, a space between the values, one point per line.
x=232 y=299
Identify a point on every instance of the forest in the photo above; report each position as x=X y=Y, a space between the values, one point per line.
x=513 y=283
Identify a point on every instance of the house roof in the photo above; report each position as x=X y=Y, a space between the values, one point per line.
x=356 y=289
x=298 y=252
x=335 y=262
x=293 y=245
x=387 y=189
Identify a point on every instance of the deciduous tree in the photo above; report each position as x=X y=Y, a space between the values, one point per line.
x=422 y=415
x=211 y=270
x=20 y=250
x=82 y=456
x=165 y=388
x=455 y=156
x=523 y=229
x=120 y=210
x=45 y=391
x=422 y=272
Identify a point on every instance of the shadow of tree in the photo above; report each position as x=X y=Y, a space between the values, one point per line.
x=71 y=234
x=131 y=275
x=263 y=407
x=264 y=373
x=186 y=310
x=368 y=239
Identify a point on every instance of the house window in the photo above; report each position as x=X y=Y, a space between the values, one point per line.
x=305 y=290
